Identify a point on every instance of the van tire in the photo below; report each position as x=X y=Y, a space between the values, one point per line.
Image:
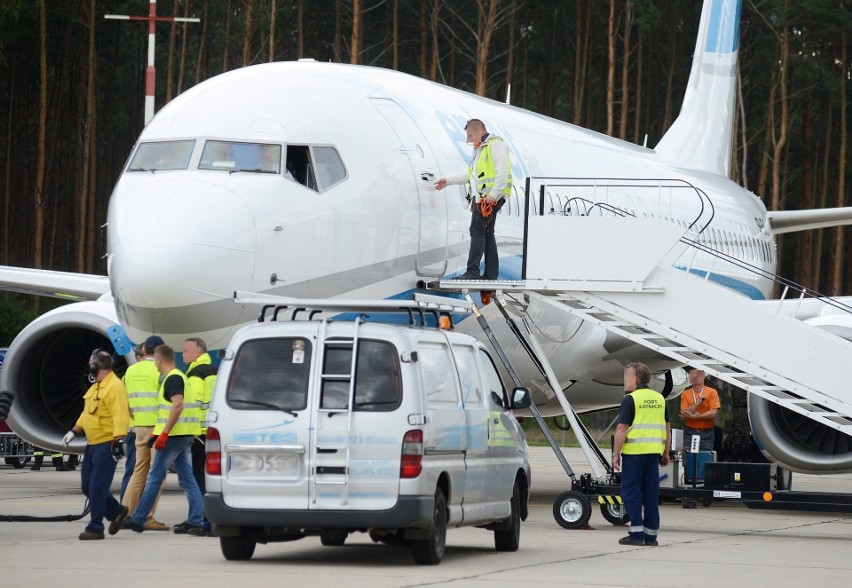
x=429 y=552
x=510 y=539
x=237 y=548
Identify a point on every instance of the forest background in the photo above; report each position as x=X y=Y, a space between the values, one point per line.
x=72 y=94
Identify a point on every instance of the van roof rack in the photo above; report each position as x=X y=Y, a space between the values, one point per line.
x=418 y=307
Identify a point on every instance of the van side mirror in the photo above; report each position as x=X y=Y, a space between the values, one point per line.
x=521 y=398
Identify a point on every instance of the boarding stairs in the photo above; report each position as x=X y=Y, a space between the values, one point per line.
x=592 y=268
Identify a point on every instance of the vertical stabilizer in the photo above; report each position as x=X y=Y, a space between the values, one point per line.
x=701 y=135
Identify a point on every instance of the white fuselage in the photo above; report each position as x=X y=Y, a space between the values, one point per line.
x=181 y=241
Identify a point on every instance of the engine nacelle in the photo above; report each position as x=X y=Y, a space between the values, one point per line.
x=46 y=369
x=795 y=441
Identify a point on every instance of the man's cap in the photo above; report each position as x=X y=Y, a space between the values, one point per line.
x=473 y=120
x=154 y=341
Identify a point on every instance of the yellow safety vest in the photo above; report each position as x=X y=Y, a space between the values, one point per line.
x=201 y=377
x=142 y=381
x=647 y=434
x=188 y=423
x=484 y=174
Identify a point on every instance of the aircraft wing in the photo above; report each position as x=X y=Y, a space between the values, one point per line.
x=65 y=285
x=790 y=221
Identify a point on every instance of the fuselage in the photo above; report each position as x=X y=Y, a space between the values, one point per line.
x=358 y=215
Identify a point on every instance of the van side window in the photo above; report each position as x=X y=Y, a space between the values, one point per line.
x=271 y=373
x=378 y=384
x=468 y=374
x=492 y=377
x=438 y=375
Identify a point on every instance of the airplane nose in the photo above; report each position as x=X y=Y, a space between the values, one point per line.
x=178 y=249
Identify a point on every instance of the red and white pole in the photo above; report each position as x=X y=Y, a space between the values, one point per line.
x=150 y=70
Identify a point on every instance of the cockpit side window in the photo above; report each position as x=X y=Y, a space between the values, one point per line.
x=330 y=168
x=316 y=167
x=162 y=155
x=241 y=157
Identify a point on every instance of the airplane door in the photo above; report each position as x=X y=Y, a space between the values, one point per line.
x=432 y=244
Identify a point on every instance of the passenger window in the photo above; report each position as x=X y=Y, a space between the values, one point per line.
x=492 y=378
x=471 y=384
x=271 y=373
x=438 y=375
x=162 y=155
x=241 y=157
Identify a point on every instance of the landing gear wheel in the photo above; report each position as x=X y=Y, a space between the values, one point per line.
x=237 y=548
x=429 y=552
x=333 y=539
x=615 y=514
x=510 y=539
x=572 y=510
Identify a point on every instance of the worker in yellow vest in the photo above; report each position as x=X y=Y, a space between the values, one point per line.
x=489 y=180
x=173 y=433
x=142 y=380
x=201 y=377
x=642 y=441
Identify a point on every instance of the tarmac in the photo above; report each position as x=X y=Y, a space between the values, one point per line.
x=724 y=544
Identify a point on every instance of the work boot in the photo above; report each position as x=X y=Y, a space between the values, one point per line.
x=630 y=541
x=35 y=468
x=91 y=535
x=468 y=276
x=115 y=524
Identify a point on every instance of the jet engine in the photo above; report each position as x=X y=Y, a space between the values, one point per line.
x=46 y=369
x=795 y=441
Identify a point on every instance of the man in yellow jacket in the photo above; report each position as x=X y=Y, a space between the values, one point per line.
x=490 y=182
x=104 y=421
x=642 y=439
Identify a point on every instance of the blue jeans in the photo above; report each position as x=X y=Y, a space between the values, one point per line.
x=95 y=480
x=640 y=490
x=129 y=460
x=175 y=452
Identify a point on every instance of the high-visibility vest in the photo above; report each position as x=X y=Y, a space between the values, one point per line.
x=647 y=434
x=188 y=423
x=482 y=172
x=201 y=376
x=142 y=381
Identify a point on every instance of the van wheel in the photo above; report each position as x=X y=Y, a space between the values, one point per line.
x=333 y=539
x=17 y=462
x=429 y=552
x=237 y=548
x=510 y=539
x=572 y=510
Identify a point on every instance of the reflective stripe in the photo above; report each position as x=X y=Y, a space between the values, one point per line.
x=647 y=433
x=483 y=163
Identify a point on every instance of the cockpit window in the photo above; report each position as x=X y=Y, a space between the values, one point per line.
x=315 y=167
x=162 y=155
x=241 y=157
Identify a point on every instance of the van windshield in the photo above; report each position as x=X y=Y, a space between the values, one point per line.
x=271 y=373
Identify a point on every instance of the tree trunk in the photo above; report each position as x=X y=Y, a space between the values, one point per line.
x=300 y=27
x=436 y=23
x=781 y=142
x=625 y=70
x=510 y=64
x=582 y=62
x=247 y=32
x=272 y=13
x=487 y=23
x=183 y=45
x=354 y=57
x=38 y=235
x=226 y=36
x=395 y=35
x=170 y=75
x=424 y=38
x=743 y=177
x=5 y=257
x=89 y=148
x=821 y=235
x=763 y=172
x=668 y=111
x=610 y=77
x=805 y=238
x=637 y=114
x=837 y=274
x=201 y=63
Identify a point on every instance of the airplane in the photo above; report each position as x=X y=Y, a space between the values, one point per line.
x=316 y=180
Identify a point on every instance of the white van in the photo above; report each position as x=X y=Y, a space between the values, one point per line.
x=322 y=427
